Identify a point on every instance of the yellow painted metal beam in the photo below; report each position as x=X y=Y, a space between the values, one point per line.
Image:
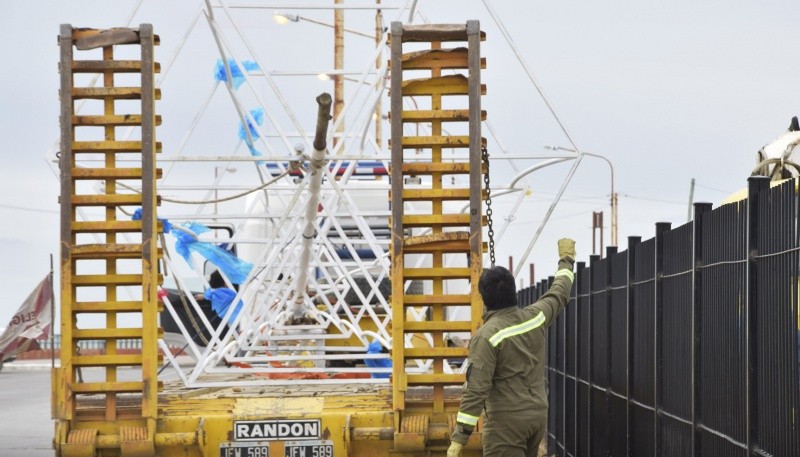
x=426 y=168
x=431 y=379
x=100 y=387
x=107 y=306
x=117 y=93
x=109 y=250
x=109 y=146
x=109 y=173
x=110 y=120
x=427 y=142
x=448 y=299
x=442 y=59
x=436 y=194
x=108 y=226
x=455 y=246
x=107 y=200
x=436 y=220
x=441 y=115
x=107 y=360
x=115 y=66
x=436 y=352
x=436 y=32
x=437 y=326
x=107 y=333
x=440 y=86
x=431 y=273
x=104 y=280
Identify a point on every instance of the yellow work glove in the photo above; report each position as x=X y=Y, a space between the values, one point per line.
x=566 y=248
x=454 y=450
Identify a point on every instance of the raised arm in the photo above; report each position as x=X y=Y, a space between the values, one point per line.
x=554 y=300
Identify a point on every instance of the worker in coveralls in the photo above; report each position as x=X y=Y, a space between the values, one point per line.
x=505 y=376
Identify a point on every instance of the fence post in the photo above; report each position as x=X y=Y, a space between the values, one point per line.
x=661 y=229
x=592 y=263
x=700 y=209
x=610 y=252
x=755 y=184
x=578 y=351
x=633 y=241
x=563 y=337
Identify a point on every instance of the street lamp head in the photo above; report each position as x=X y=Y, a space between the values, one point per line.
x=284 y=18
x=324 y=77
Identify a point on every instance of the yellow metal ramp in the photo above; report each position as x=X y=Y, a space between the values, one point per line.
x=436 y=216
x=109 y=262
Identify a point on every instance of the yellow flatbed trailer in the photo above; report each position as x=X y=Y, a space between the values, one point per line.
x=354 y=420
x=413 y=414
x=316 y=419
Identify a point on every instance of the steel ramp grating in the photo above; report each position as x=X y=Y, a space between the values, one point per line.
x=436 y=208
x=106 y=257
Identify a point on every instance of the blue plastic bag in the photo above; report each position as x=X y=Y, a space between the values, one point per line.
x=258 y=116
x=375 y=348
x=165 y=223
x=237 y=77
x=233 y=267
x=221 y=300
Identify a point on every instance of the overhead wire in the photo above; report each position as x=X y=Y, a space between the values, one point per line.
x=32 y=210
x=727 y=192
x=217 y=200
x=562 y=126
x=657 y=200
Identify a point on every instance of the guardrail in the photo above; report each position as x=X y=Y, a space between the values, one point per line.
x=685 y=344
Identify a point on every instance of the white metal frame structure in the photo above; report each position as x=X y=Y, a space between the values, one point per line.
x=348 y=248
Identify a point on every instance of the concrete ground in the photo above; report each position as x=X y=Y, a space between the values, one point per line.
x=26 y=429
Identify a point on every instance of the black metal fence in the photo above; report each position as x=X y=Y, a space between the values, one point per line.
x=685 y=344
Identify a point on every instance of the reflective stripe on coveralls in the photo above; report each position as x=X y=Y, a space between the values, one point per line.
x=518 y=329
x=467 y=419
x=567 y=273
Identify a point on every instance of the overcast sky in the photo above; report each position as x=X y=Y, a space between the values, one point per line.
x=668 y=91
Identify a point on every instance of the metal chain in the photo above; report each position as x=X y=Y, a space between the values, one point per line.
x=485 y=158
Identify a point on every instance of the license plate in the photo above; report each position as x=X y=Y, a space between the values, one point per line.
x=253 y=449
x=308 y=449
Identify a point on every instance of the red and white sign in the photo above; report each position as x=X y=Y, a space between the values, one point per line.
x=31 y=321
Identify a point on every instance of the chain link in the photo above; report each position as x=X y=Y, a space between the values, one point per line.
x=486 y=182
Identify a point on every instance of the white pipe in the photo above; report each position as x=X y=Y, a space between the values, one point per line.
x=317 y=163
x=511 y=214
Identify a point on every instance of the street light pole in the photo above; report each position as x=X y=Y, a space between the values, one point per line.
x=378 y=108
x=338 y=64
x=338 y=59
x=613 y=199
